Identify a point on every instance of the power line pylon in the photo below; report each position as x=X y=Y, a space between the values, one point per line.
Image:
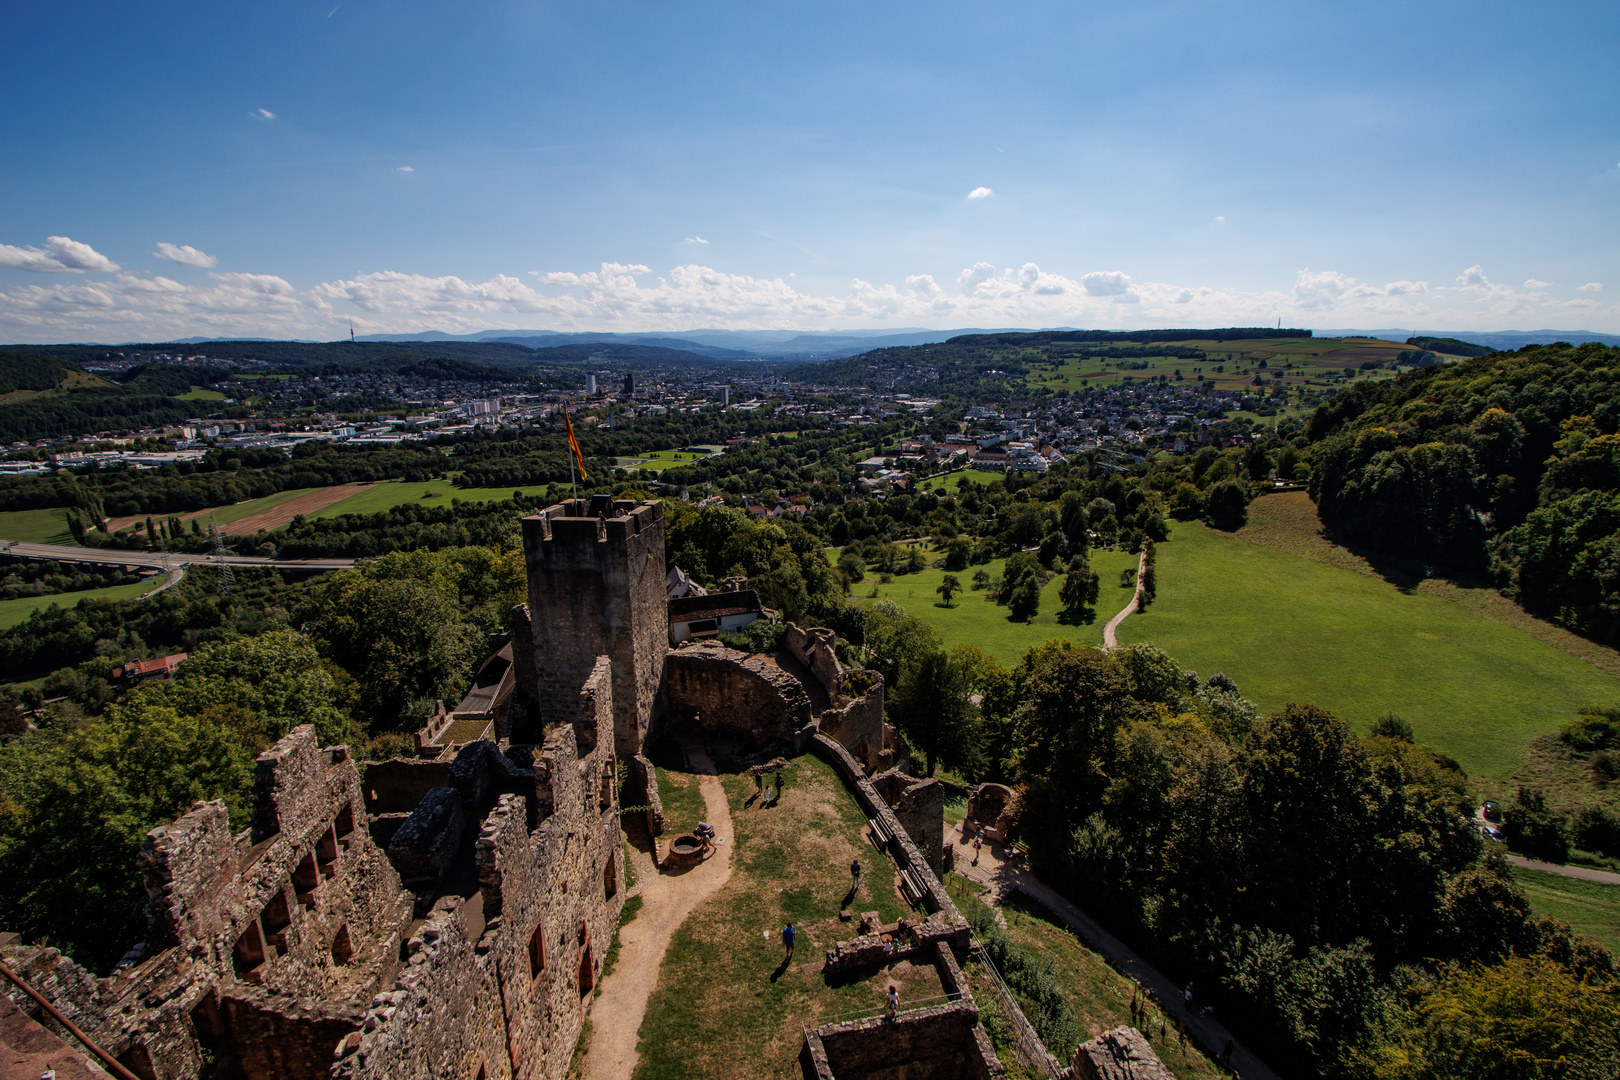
x=227 y=576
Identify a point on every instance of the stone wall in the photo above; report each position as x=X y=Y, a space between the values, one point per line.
x=919 y=805
x=288 y=928
x=500 y=971
x=596 y=587
x=942 y=1042
x=1121 y=1054
x=721 y=689
x=814 y=649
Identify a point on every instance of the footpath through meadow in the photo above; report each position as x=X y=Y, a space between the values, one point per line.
x=1109 y=640
x=666 y=901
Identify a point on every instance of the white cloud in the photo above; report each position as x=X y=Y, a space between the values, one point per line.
x=185 y=254
x=405 y=168
x=60 y=255
x=694 y=240
x=980 y=193
x=1474 y=278
x=263 y=114
x=150 y=307
x=1106 y=283
x=1590 y=286
x=1220 y=217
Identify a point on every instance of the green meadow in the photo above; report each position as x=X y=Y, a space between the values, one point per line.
x=949 y=480
x=974 y=619
x=1290 y=628
x=200 y=393
x=13 y=612
x=1588 y=906
x=36 y=526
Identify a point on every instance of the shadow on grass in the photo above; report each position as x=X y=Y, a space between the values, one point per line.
x=1083 y=617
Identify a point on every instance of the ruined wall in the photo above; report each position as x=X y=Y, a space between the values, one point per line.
x=723 y=689
x=500 y=972
x=596 y=587
x=814 y=649
x=919 y=805
x=942 y=1042
x=299 y=915
x=857 y=723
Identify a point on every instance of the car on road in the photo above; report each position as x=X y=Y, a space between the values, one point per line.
x=1491 y=811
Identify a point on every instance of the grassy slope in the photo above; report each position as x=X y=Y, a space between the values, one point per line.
x=974 y=619
x=13 y=612
x=36 y=526
x=1589 y=907
x=724 y=1009
x=1291 y=628
x=200 y=393
x=1098 y=995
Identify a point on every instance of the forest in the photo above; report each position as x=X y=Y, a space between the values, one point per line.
x=1507 y=464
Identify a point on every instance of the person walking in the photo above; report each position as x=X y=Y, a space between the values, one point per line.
x=855 y=872
x=759 y=783
x=893 y=1002
x=778 y=785
x=978 y=844
x=789 y=935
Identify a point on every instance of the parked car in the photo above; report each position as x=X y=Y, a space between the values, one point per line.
x=1491 y=811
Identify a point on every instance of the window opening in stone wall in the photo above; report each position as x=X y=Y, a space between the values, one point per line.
x=537 y=952
x=275 y=918
x=305 y=878
x=604 y=797
x=482 y=1073
x=342 y=946
x=586 y=976
x=610 y=878
x=345 y=820
x=138 y=1060
x=249 y=952
x=326 y=848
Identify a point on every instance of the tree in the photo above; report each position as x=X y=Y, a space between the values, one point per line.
x=1533 y=828
x=949 y=588
x=930 y=706
x=1080 y=590
x=1226 y=504
x=981 y=579
x=1025 y=598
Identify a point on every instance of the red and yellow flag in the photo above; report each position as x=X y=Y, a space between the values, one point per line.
x=573 y=445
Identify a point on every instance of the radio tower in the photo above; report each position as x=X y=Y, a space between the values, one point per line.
x=227 y=576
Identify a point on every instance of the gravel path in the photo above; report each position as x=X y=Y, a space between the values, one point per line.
x=666 y=902
x=1584 y=873
x=1109 y=640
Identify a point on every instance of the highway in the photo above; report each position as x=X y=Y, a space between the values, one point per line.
x=155 y=559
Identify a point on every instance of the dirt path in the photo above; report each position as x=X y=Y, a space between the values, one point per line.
x=1109 y=640
x=666 y=902
x=1581 y=873
x=1001 y=877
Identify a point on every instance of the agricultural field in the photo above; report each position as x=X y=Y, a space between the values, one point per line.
x=385 y=496
x=974 y=619
x=36 y=526
x=13 y=612
x=1288 y=623
x=1588 y=906
x=1233 y=365
x=200 y=393
x=725 y=1007
x=949 y=480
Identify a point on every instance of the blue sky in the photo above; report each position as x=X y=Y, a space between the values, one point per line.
x=182 y=169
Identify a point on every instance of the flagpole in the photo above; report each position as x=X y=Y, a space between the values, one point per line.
x=572 y=483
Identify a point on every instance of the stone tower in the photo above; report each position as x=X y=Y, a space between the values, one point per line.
x=596 y=588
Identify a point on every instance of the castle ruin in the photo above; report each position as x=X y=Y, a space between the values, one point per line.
x=447 y=915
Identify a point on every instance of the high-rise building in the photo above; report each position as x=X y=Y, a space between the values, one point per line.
x=590 y=385
x=629 y=383
x=725 y=396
